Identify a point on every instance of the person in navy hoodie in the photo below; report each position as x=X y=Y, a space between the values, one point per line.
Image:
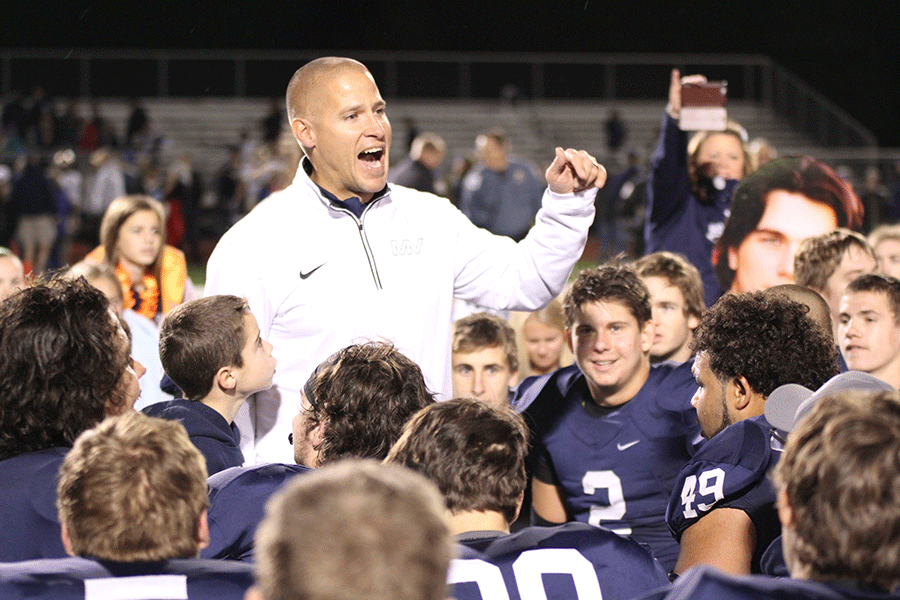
x=212 y=350
x=65 y=364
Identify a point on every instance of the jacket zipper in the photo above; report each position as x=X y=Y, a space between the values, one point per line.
x=365 y=241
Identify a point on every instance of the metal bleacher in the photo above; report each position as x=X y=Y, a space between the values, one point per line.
x=204 y=127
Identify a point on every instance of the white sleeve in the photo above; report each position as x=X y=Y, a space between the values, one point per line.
x=495 y=272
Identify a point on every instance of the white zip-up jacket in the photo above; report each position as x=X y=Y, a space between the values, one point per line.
x=318 y=279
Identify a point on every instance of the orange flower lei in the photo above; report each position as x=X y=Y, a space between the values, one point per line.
x=145 y=302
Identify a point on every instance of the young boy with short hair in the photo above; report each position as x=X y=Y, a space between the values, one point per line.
x=484 y=358
x=211 y=348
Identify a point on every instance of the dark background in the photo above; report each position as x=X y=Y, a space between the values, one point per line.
x=849 y=52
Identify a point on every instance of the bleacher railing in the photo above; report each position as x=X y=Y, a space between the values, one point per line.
x=513 y=76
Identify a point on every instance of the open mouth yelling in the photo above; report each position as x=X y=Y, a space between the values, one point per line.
x=373 y=159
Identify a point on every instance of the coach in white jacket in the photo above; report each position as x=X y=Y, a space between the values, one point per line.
x=341 y=256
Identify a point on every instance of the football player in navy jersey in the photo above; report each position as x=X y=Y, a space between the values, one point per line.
x=65 y=365
x=475 y=453
x=722 y=506
x=132 y=504
x=353 y=405
x=610 y=432
x=838 y=488
x=354 y=529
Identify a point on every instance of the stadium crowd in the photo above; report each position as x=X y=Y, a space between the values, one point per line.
x=385 y=395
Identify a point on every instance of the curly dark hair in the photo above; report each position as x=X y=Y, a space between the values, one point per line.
x=766 y=338
x=365 y=393
x=61 y=360
x=611 y=282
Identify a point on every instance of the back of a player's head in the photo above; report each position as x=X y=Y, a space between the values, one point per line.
x=611 y=282
x=364 y=394
x=200 y=337
x=766 y=338
x=354 y=530
x=62 y=360
x=819 y=311
x=878 y=284
x=680 y=273
x=819 y=257
x=133 y=489
x=473 y=450
x=484 y=330
x=840 y=475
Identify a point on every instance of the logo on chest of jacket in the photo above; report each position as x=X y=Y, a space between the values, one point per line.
x=406 y=247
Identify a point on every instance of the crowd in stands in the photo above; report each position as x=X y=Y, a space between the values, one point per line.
x=384 y=395
x=61 y=168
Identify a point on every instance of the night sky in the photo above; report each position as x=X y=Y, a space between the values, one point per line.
x=849 y=52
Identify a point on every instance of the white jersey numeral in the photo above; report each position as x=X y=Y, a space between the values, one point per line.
x=527 y=570
x=615 y=511
x=712 y=483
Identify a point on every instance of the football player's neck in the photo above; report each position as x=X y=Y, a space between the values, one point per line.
x=472 y=520
x=620 y=394
x=678 y=355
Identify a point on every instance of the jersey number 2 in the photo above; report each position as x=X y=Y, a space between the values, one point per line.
x=597 y=480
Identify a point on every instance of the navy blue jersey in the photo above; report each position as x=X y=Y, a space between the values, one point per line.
x=731 y=470
x=568 y=561
x=772 y=561
x=29 y=524
x=83 y=579
x=615 y=469
x=706 y=583
x=237 y=499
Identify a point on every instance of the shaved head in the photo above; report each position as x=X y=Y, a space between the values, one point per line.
x=308 y=79
x=339 y=119
x=818 y=308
